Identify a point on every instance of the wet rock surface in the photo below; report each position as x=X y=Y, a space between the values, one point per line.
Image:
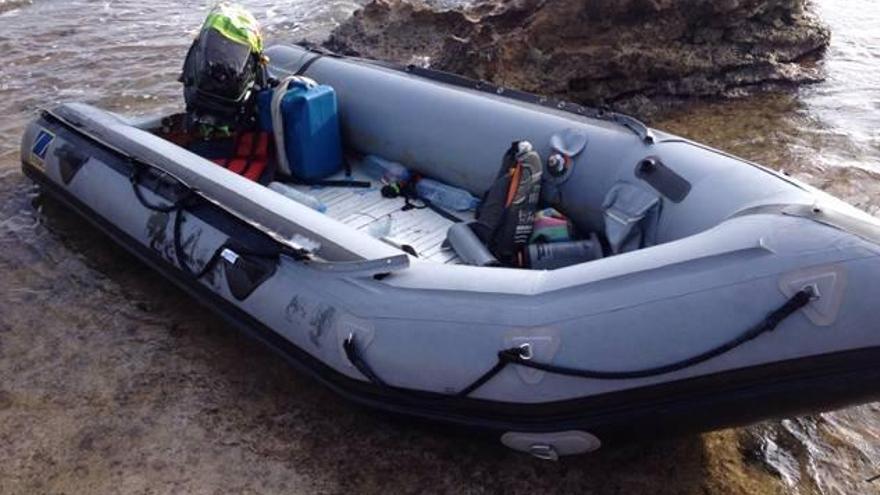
x=630 y=54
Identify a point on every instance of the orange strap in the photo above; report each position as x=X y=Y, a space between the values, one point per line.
x=515 y=174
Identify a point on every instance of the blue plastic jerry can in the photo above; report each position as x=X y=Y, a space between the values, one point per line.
x=311 y=129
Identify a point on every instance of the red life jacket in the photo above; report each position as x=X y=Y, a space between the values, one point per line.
x=251 y=156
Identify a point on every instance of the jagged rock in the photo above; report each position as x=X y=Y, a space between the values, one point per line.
x=630 y=54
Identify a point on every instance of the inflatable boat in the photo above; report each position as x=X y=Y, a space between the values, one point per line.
x=746 y=294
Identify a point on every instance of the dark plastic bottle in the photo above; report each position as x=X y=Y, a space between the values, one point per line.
x=550 y=256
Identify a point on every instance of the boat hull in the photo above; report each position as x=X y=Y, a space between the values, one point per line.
x=430 y=330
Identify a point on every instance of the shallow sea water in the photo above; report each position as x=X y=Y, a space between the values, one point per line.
x=111 y=381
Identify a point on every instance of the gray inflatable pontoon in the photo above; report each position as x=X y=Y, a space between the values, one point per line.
x=752 y=294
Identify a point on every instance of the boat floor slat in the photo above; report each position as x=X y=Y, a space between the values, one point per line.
x=362 y=209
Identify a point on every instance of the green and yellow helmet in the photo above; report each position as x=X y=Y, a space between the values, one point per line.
x=236 y=23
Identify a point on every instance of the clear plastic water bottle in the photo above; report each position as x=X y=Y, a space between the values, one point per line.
x=381 y=228
x=384 y=170
x=446 y=196
x=299 y=196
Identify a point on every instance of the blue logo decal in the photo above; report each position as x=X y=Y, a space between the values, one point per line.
x=41 y=144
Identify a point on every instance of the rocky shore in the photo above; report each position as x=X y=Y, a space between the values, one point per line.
x=632 y=55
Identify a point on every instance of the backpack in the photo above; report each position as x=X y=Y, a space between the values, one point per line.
x=223 y=65
x=505 y=219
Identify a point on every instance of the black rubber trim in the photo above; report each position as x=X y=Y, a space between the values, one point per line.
x=304 y=67
x=696 y=404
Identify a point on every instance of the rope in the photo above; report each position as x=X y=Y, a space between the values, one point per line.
x=409 y=194
x=179 y=208
x=519 y=356
x=135 y=184
x=516 y=356
x=354 y=357
x=440 y=211
x=180 y=253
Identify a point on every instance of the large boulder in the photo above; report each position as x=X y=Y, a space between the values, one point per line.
x=629 y=54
